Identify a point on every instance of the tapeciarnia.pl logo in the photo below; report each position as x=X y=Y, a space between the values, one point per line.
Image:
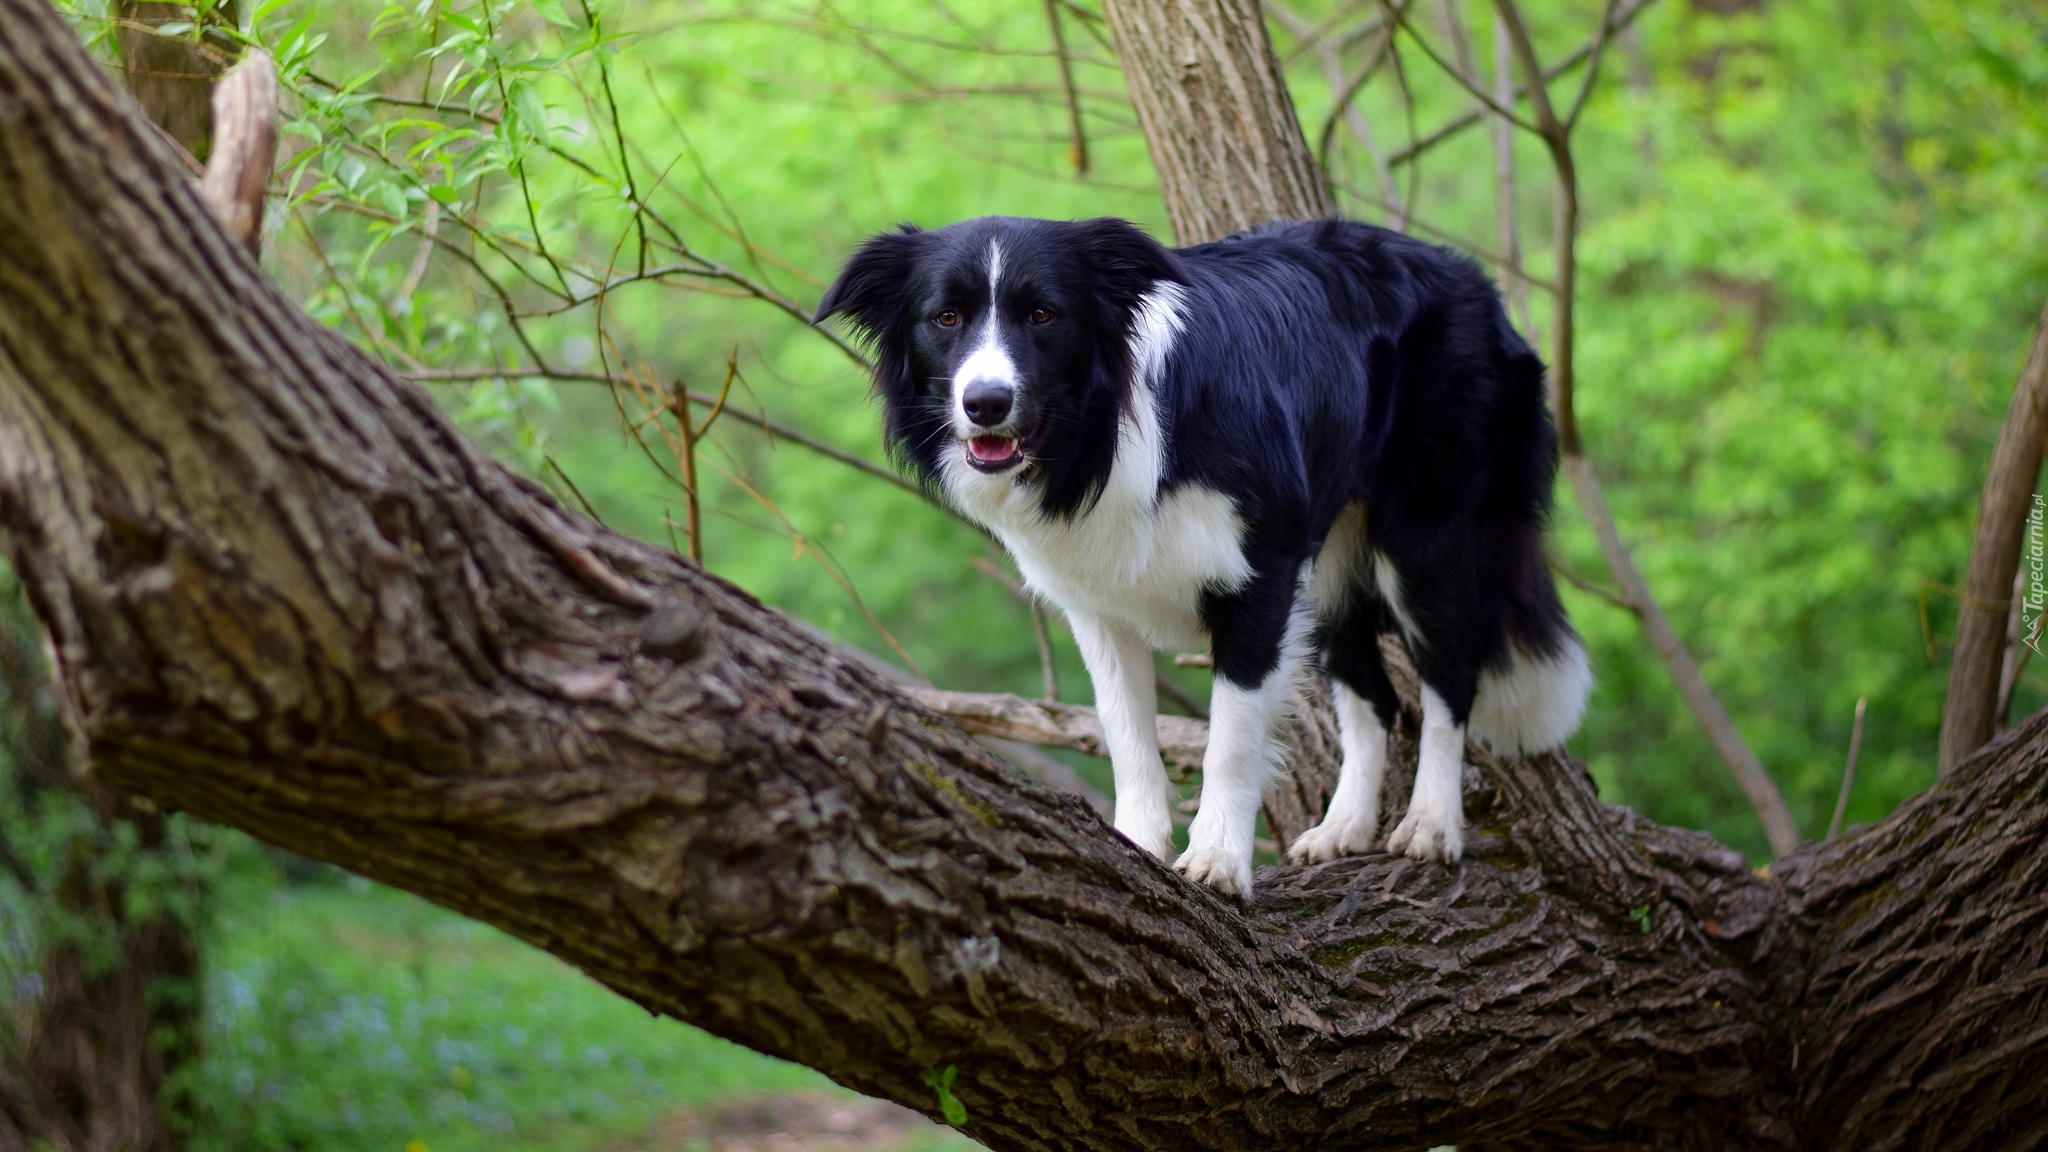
x=2036 y=593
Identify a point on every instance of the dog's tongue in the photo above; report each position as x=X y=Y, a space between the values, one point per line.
x=992 y=449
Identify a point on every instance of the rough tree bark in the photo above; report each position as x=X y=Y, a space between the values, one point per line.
x=90 y=1058
x=285 y=594
x=1971 y=712
x=1216 y=115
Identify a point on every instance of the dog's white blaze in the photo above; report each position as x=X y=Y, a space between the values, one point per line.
x=1241 y=761
x=1137 y=558
x=1536 y=702
x=988 y=361
x=1120 y=665
x=1354 y=813
x=1434 y=828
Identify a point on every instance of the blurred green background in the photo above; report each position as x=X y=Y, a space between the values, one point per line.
x=1812 y=256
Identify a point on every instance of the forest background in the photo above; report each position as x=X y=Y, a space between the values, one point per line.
x=1811 y=256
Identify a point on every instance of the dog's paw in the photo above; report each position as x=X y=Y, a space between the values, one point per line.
x=1335 y=836
x=1227 y=872
x=1430 y=835
x=1154 y=836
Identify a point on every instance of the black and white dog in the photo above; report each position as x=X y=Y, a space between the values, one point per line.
x=1284 y=443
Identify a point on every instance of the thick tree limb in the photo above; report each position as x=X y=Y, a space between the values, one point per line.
x=1973 y=672
x=285 y=594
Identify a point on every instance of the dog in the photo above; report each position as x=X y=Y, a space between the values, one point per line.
x=1283 y=444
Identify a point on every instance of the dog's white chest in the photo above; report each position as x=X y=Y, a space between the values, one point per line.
x=1143 y=563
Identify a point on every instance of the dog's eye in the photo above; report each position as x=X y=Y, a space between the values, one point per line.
x=946 y=319
x=1041 y=315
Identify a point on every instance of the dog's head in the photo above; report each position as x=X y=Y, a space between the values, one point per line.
x=1003 y=345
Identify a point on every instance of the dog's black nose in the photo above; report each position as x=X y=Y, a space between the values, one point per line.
x=987 y=402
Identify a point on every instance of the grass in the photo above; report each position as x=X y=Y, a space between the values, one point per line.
x=346 y=1016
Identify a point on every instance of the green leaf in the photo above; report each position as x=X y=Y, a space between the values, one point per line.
x=949 y=1105
x=551 y=11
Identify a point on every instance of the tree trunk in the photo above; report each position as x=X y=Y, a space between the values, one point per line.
x=285 y=594
x=1216 y=115
x=172 y=76
x=108 y=1008
x=1971 y=713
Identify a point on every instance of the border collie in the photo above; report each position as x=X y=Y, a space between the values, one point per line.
x=1282 y=443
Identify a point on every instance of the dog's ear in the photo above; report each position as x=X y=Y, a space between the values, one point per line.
x=1124 y=260
x=870 y=289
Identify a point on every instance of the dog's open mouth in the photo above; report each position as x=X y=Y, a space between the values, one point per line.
x=994 y=453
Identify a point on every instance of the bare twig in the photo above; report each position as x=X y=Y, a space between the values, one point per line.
x=1467 y=119
x=774 y=428
x=1484 y=97
x=1849 y=769
x=1742 y=763
x=1180 y=696
x=1077 y=151
x=1507 y=227
x=691 y=431
x=1345 y=104
x=1591 y=589
x=1047 y=670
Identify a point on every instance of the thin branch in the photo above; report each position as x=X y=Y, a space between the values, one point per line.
x=1179 y=695
x=1506 y=223
x=1048 y=671
x=1485 y=98
x=1467 y=119
x=1182 y=739
x=1848 y=769
x=1594 y=590
x=774 y=429
x=1601 y=39
x=1077 y=152
x=1345 y=105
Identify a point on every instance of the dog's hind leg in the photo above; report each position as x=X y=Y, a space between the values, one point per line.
x=1447 y=622
x=1126 y=700
x=1366 y=706
x=1259 y=635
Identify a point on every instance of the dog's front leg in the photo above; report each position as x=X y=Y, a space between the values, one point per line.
x=1258 y=635
x=1127 y=701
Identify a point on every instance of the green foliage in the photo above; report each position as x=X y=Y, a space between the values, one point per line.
x=1810 y=256
x=950 y=1107
x=343 y=1015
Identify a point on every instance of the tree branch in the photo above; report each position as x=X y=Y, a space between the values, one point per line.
x=1970 y=715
